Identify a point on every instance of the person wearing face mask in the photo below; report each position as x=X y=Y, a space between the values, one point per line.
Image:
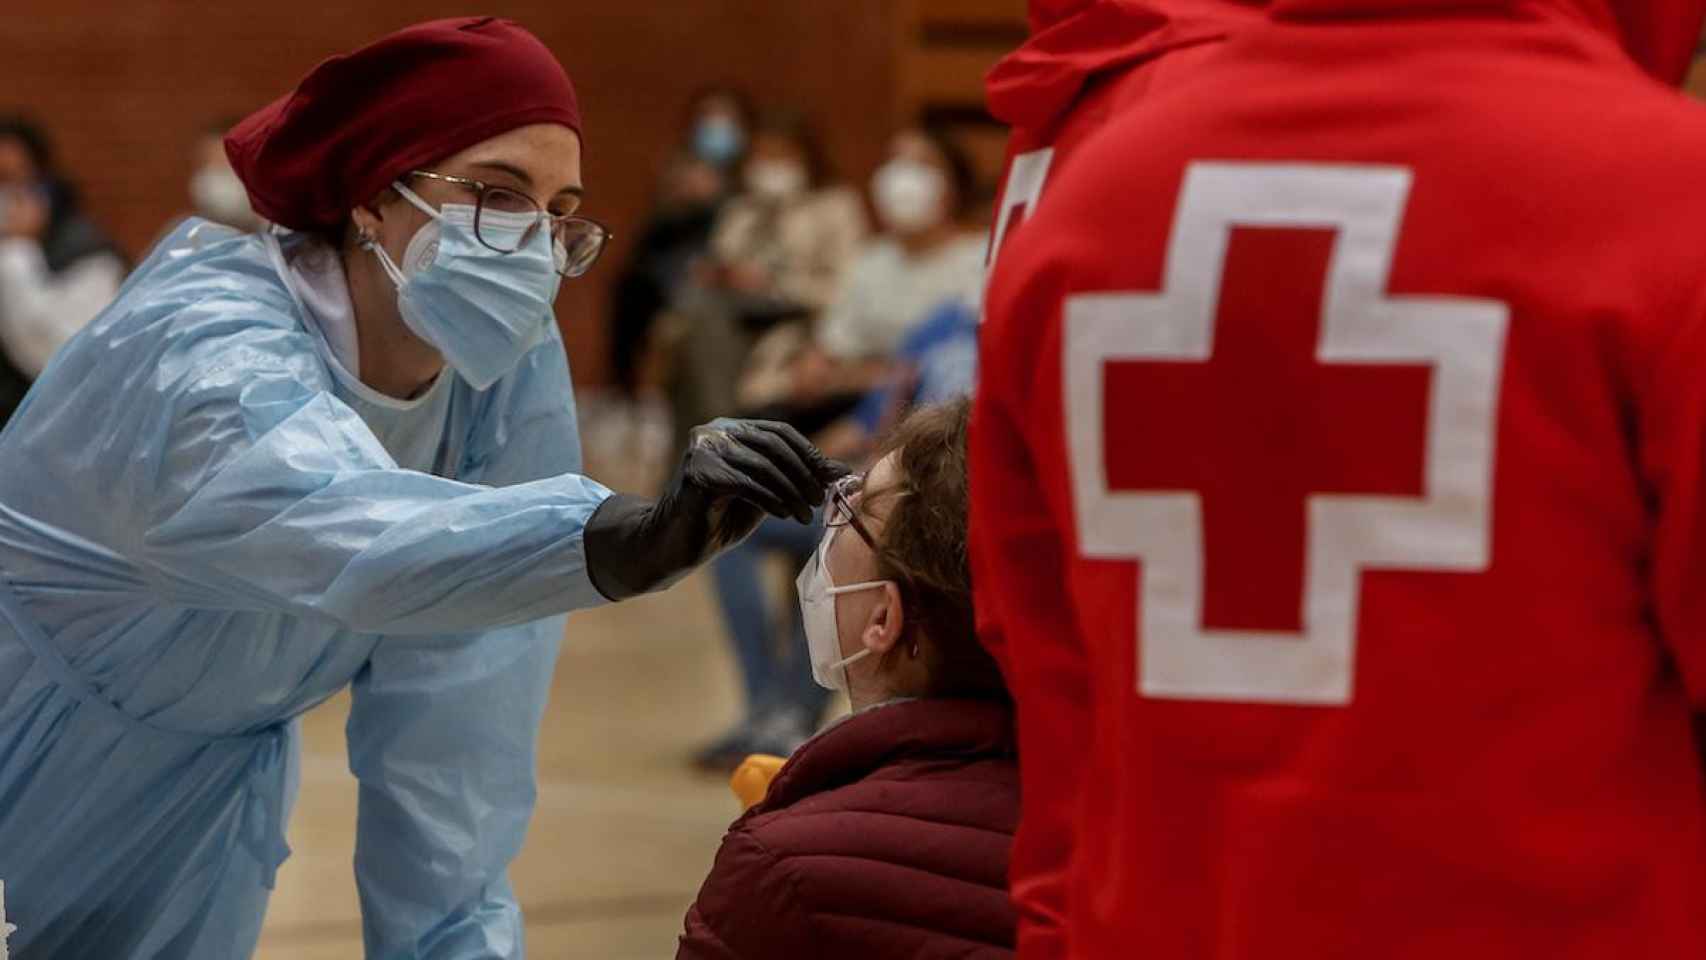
x=340 y=454
x=886 y=835
x=701 y=174
x=57 y=268
x=926 y=257
x=788 y=237
x=720 y=126
x=779 y=252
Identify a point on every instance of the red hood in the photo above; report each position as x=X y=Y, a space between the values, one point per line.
x=1072 y=41
x=1659 y=34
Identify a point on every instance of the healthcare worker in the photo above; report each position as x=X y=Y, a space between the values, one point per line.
x=343 y=455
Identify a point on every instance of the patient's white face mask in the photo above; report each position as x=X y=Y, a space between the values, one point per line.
x=817 y=605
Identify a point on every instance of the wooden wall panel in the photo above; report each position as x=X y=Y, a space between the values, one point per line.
x=126 y=85
x=997 y=12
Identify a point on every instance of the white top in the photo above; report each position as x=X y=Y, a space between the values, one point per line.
x=317 y=279
x=41 y=310
x=889 y=293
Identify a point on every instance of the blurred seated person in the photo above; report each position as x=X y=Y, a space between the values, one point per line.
x=785 y=243
x=779 y=252
x=57 y=269
x=887 y=835
x=700 y=174
x=928 y=253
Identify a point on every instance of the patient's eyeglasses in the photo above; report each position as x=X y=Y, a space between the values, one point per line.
x=844 y=507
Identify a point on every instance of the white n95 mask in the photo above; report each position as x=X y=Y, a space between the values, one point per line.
x=910 y=197
x=817 y=607
x=482 y=309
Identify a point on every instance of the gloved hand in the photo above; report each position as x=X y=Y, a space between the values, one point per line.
x=734 y=472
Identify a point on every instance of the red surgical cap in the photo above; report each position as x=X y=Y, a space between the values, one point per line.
x=363 y=119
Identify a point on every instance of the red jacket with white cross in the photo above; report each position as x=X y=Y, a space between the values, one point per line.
x=1337 y=486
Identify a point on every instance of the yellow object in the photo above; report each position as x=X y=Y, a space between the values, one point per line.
x=752 y=778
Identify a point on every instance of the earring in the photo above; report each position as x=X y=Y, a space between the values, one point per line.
x=914 y=650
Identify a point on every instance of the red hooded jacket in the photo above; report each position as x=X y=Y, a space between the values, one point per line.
x=1338 y=486
x=1088 y=61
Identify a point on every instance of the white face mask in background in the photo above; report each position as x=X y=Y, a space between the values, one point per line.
x=817 y=607
x=218 y=195
x=776 y=179
x=910 y=197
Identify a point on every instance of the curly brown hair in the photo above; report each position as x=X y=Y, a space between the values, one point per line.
x=922 y=548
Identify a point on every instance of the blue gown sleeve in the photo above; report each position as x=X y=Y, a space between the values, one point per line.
x=443 y=736
x=261 y=492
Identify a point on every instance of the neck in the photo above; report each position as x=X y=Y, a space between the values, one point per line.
x=394 y=361
x=878 y=685
x=858 y=699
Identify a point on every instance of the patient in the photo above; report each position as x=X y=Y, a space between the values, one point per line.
x=886 y=835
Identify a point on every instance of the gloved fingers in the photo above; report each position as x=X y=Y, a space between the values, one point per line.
x=825 y=470
x=712 y=436
x=776 y=450
x=753 y=466
x=742 y=487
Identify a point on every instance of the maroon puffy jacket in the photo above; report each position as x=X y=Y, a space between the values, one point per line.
x=885 y=836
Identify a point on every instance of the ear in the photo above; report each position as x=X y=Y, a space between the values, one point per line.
x=885 y=623
x=367 y=220
x=371 y=215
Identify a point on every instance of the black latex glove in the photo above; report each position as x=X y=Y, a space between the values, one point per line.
x=734 y=473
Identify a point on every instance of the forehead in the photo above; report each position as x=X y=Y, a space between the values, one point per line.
x=720 y=104
x=549 y=153
x=915 y=146
x=774 y=141
x=879 y=488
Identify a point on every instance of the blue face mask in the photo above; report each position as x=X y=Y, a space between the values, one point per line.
x=483 y=310
x=718 y=141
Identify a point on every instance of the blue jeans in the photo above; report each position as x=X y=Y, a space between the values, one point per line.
x=776 y=672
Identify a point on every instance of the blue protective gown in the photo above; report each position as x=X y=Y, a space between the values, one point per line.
x=203 y=535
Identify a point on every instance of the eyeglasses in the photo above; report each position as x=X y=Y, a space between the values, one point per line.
x=844 y=510
x=576 y=242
